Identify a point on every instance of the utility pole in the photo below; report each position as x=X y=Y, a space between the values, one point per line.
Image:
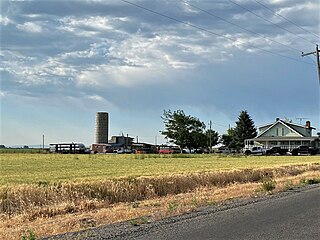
x=210 y=142
x=318 y=59
x=318 y=62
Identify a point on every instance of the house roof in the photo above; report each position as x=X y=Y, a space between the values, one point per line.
x=286 y=124
x=280 y=138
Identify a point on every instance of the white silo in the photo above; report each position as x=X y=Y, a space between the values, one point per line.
x=102 y=127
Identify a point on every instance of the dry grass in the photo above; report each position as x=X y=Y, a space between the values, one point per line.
x=51 y=209
x=47 y=200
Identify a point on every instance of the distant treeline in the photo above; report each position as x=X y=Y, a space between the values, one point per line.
x=24 y=150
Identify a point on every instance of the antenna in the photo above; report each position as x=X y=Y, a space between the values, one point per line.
x=301 y=119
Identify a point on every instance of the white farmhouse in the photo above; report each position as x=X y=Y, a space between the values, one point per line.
x=284 y=134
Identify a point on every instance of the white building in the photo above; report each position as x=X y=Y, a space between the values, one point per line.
x=284 y=134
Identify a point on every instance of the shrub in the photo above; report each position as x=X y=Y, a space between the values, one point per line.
x=31 y=236
x=310 y=181
x=139 y=221
x=268 y=184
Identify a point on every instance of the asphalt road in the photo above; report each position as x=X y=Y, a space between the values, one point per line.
x=294 y=216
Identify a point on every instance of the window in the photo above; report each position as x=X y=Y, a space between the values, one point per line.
x=280 y=131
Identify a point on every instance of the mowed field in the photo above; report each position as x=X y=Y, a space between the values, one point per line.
x=52 y=168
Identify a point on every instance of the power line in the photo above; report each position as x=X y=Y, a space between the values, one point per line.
x=210 y=32
x=288 y=20
x=234 y=24
x=267 y=20
x=218 y=124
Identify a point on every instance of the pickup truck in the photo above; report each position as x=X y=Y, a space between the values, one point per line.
x=304 y=150
x=276 y=151
x=256 y=150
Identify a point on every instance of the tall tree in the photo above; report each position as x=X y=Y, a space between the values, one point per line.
x=228 y=139
x=212 y=138
x=183 y=130
x=244 y=129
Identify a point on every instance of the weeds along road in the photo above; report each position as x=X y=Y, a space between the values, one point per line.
x=293 y=216
x=288 y=215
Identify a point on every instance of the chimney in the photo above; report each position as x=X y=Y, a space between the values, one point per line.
x=277 y=119
x=308 y=124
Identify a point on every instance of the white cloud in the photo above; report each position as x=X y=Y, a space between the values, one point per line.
x=96 y=98
x=95 y=50
x=30 y=27
x=299 y=8
x=120 y=76
x=86 y=26
x=4 y=20
x=178 y=64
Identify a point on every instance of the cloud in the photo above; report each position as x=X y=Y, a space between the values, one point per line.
x=96 y=98
x=108 y=77
x=61 y=59
x=30 y=27
x=4 y=20
x=126 y=47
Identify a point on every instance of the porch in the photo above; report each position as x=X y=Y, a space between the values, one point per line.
x=283 y=142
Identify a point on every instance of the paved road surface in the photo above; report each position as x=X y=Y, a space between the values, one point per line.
x=295 y=216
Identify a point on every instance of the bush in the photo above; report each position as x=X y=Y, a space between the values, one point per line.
x=268 y=185
x=31 y=236
x=310 y=181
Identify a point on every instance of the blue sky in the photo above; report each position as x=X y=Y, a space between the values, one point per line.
x=62 y=61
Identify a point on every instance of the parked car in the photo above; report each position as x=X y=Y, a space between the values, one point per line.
x=144 y=151
x=276 y=151
x=256 y=150
x=200 y=151
x=169 y=150
x=123 y=151
x=223 y=149
x=165 y=151
x=304 y=150
x=100 y=148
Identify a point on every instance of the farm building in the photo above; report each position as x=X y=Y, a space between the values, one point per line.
x=284 y=134
x=67 y=148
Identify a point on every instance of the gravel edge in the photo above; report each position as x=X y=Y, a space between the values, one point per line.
x=125 y=230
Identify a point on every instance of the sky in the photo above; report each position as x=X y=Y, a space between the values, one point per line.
x=63 y=61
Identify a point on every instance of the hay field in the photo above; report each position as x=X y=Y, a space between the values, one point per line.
x=52 y=168
x=52 y=193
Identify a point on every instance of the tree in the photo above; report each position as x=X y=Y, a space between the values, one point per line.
x=212 y=138
x=228 y=139
x=183 y=130
x=244 y=129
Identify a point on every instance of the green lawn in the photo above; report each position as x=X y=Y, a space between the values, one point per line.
x=35 y=168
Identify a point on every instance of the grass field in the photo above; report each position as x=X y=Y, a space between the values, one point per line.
x=53 y=193
x=52 y=168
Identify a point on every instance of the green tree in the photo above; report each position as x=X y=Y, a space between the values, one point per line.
x=244 y=129
x=228 y=139
x=212 y=138
x=183 y=130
